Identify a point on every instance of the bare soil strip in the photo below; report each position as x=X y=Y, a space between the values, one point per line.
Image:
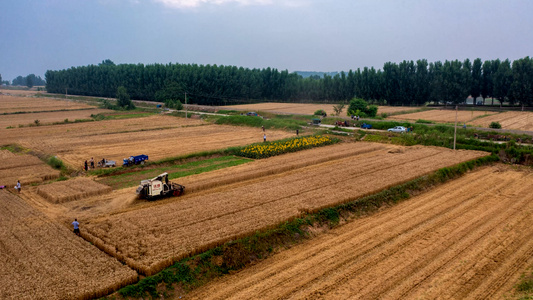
x=43 y=260
x=468 y=239
x=152 y=238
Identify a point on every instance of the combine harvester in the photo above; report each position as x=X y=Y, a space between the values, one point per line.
x=159 y=187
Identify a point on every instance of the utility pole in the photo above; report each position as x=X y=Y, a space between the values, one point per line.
x=185 y=105
x=455 y=129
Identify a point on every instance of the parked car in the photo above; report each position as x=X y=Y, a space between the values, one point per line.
x=366 y=126
x=398 y=129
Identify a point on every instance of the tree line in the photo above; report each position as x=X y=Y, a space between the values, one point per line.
x=30 y=81
x=404 y=83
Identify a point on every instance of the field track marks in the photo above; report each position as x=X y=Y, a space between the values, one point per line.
x=465 y=239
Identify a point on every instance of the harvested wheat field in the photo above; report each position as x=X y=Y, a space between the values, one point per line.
x=28 y=119
x=15 y=92
x=306 y=109
x=43 y=260
x=26 y=168
x=518 y=120
x=12 y=104
x=443 y=116
x=156 y=136
x=65 y=191
x=468 y=239
x=151 y=238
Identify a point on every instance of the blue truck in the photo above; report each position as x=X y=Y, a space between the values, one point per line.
x=135 y=160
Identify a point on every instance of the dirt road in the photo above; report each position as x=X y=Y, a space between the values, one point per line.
x=468 y=239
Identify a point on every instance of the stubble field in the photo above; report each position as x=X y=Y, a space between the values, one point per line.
x=305 y=108
x=517 y=120
x=443 y=116
x=468 y=239
x=24 y=167
x=18 y=104
x=229 y=203
x=151 y=238
x=41 y=259
x=156 y=136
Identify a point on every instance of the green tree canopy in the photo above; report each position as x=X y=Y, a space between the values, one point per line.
x=360 y=107
x=123 y=98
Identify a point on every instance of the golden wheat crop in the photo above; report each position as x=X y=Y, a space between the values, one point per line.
x=443 y=116
x=16 y=161
x=154 y=237
x=41 y=259
x=4 y=154
x=26 y=168
x=65 y=191
x=306 y=108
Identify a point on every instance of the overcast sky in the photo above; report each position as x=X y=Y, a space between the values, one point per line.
x=297 y=35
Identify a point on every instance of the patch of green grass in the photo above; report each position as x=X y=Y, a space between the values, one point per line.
x=421 y=121
x=175 y=171
x=525 y=286
x=14 y=148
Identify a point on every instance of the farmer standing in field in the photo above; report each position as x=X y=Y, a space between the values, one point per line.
x=18 y=187
x=76 y=227
x=86 y=165
x=264 y=137
x=92 y=163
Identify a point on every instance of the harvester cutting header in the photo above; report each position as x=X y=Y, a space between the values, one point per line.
x=159 y=187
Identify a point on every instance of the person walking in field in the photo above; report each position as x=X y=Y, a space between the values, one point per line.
x=264 y=137
x=92 y=163
x=297 y=132
x=76 y=227
x=263 y=127
x=86 y=166
x=18 y=187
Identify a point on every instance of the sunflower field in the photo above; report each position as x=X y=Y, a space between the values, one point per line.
x=264 y=150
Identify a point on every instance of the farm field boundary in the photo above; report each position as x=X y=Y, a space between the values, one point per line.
x=197 y=270
x=195 y=220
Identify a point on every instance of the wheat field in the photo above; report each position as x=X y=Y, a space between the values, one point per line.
x=41 y=259
x=151 y=238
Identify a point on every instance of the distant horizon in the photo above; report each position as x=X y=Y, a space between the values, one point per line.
x=292 y=35
x=298 y=71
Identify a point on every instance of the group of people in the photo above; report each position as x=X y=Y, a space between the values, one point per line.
x=91 y=163
x=355 y=118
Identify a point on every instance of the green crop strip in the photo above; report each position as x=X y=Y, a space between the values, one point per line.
x=174 y=171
